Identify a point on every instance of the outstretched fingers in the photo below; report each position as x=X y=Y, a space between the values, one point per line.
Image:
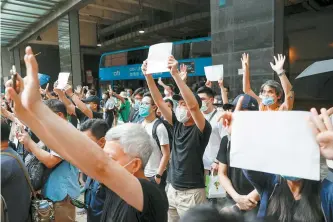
x=32 y=66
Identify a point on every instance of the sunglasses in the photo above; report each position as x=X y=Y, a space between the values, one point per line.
x=79 y=204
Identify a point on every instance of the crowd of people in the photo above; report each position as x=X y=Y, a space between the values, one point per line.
x=144 y=155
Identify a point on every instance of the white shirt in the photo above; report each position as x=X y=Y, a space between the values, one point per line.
x=213 y=146
x=156 y=156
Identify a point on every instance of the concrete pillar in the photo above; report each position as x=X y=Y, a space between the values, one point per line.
x=69 y=46
x=251 y=26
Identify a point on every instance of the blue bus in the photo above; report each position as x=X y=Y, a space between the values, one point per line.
x=123 y=67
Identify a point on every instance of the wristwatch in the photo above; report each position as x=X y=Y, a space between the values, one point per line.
x=281 y=72
x=158 y=176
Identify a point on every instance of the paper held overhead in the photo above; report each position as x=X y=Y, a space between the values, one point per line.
x=62 y=80
x=275 y=142
x=320 y=67
x=214 y=73
x=158 y=56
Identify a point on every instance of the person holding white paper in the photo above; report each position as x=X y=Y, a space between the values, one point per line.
x=191 y=136
x=286 y=198
x=241 y=195
x=271 y=93
x=327 y=184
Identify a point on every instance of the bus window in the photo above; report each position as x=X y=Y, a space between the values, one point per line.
x=137 y=56
x=201 y=49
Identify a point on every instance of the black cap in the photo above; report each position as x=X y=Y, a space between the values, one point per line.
x=179 y=97
x=91 y=99
x=248 y=103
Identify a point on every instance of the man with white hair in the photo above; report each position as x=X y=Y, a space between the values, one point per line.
x=130 y=196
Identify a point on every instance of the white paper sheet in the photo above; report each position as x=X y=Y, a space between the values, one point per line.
x=278 y=142
x=62 y=80
x=158 y=57
x=214 y=73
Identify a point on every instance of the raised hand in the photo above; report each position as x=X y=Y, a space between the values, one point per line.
x=226 y=117
x=23 y=137
x=279 y=62
x=28 y=100
x=68 y=90
x=144 y=67
x=78 y=89
x=245 y=61
x=183 y=72
x=173 y=65
x=208 y=84
x=160 y=82
x=220 y=82
x=323 y=130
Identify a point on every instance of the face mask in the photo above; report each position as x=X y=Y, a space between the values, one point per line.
x=128 y=164
x=291 y=178
x=136 y=104
x=267 y=101
x=104 y=97
x=88 y=106
x=144 y=110
x=204 y=107
x=166 y=93
x=181 y=115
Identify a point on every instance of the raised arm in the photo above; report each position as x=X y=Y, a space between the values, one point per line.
x=187 y=95
x=5 y=113
x=286 y=85
x=161 y=83
x=155 y=93
x=112 y=93
x=78 y=102
x=43 y=156
x=63 y=98
x=224 y=92
x=246 y=77
x=71 y=144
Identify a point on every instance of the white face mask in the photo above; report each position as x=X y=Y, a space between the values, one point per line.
x=204 y=106
x=166 y=93
x=181 y=115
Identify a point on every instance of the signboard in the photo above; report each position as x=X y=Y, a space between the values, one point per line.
x=195 y=68
x=190 y=67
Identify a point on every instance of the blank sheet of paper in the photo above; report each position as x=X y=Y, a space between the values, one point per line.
x=214 y=73
x=158 y=56
x=278 y=142
x=62 y=80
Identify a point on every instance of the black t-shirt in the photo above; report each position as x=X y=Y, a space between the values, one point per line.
x=238 y=180
x=155 y=206
x=188 y=147
x=73 y=120
x=82 y=117
x=14 y=188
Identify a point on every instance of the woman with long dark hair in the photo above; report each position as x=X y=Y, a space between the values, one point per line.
x=287 y=198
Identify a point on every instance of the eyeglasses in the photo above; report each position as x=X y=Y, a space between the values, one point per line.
x=79 y=204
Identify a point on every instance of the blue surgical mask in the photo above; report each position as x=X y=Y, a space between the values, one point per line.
x=267 y=101
x=291 y=178
x=144 y=110
x=136 y=104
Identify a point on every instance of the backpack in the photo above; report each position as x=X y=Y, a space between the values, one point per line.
x=169 y=129
x=38 y=172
